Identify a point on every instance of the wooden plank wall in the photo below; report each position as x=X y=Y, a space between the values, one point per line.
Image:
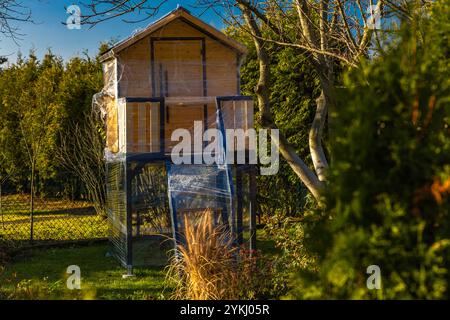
x=139 y=127
x=134 y=70
x=135 y=64
x=139 y=123
x=112 y=130
x=179 y=68
x=180 y=117
x=238 y=114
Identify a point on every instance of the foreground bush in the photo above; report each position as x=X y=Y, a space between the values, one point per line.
x=389 y=198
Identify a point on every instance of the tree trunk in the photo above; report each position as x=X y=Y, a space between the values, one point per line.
x=315 y=138
x=306 y=175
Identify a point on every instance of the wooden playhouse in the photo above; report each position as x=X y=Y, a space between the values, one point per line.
x=166 y=77
x=176 y=71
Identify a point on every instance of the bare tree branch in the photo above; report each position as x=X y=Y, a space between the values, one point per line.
x=11 y=13
x=81 y=152
x=103 y=10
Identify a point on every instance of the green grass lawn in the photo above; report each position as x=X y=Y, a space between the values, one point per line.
x=41 y=274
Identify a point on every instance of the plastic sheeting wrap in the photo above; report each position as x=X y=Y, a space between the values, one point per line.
x=200 y=189
x=116 y=209
x=155 y=197
x=137 y=207
x=149 y=195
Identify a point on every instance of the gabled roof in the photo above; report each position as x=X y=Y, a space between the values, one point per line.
x=178 y=13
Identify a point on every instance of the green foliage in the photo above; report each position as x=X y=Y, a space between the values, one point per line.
x=389 y=193
x=286 y=232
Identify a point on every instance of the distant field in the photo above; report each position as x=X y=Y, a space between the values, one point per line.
x=54 y=219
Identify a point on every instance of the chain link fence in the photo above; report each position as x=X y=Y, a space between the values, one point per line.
x=47 y=219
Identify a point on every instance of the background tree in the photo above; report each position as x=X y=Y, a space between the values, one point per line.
x=333 y=34
x=38 y=117
x=292 y=99
x=42 y=101
x=82 y=136
x=13 y=159
x=103 y=10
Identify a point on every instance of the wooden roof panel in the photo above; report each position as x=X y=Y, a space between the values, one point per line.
x=179 y=13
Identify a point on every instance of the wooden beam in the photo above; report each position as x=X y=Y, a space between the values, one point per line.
x=186 y=101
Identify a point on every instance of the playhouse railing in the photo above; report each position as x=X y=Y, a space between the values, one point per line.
x=145 y=129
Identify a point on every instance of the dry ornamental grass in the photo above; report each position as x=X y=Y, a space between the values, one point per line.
x=208 y=266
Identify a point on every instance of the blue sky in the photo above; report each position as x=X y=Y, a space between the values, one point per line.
x=49 y=32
